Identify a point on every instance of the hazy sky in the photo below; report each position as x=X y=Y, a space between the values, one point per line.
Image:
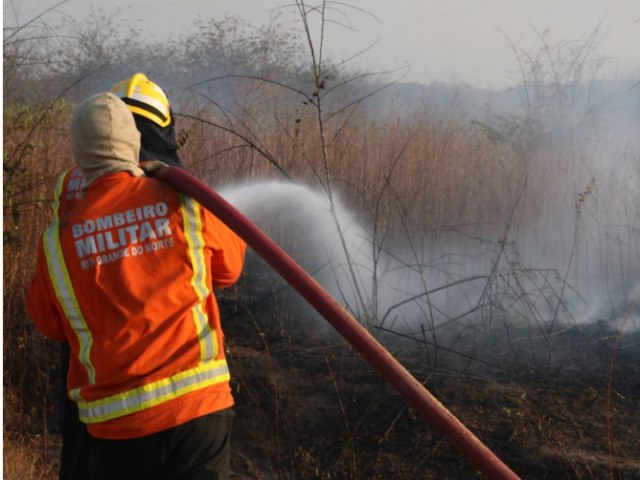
x=465 y=40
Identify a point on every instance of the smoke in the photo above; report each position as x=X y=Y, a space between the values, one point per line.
x=460 y=282
x=547 y=287
x=569 y=256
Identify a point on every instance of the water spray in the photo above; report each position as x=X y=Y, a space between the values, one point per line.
x=352 y=331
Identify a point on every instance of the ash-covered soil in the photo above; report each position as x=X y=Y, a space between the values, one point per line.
x=562 y=406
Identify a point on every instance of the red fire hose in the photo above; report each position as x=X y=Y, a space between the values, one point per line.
x=359 y=338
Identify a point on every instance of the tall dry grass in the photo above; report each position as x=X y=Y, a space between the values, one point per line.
x=36 y=150
x=418 y=179
x=429 y=184
x=26 y=457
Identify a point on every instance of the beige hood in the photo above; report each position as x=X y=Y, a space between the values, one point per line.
x=104 y=137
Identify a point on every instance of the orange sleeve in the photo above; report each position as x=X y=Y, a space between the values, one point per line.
x=227 y=250
x=42 y=306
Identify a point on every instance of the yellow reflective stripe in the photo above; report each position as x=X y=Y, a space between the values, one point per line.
x=67 y=296
x=57 y=193
x=193 y=232
x=155 y=393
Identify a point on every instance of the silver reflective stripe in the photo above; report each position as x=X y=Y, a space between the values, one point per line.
x=67 y=296
x=193 y=231
x=155 y=393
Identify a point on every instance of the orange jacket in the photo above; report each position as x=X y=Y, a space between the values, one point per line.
x=127 y=276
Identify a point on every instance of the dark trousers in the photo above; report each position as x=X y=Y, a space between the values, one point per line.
x=196 y=450
x=74 y=459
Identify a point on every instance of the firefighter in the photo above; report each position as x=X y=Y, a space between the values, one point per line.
x=127 y=277
x=154 y=119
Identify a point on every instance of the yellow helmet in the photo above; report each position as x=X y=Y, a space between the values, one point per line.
x=144 y=98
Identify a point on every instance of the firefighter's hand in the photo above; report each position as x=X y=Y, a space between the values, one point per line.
x=151 y=166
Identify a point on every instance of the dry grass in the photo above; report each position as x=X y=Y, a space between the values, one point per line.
x=418 y=179
x=437 y=194
x=27 y=458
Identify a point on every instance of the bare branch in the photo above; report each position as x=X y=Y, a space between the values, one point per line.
x=246 y=139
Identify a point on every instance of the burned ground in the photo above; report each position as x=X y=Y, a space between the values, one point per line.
x=308 y=406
